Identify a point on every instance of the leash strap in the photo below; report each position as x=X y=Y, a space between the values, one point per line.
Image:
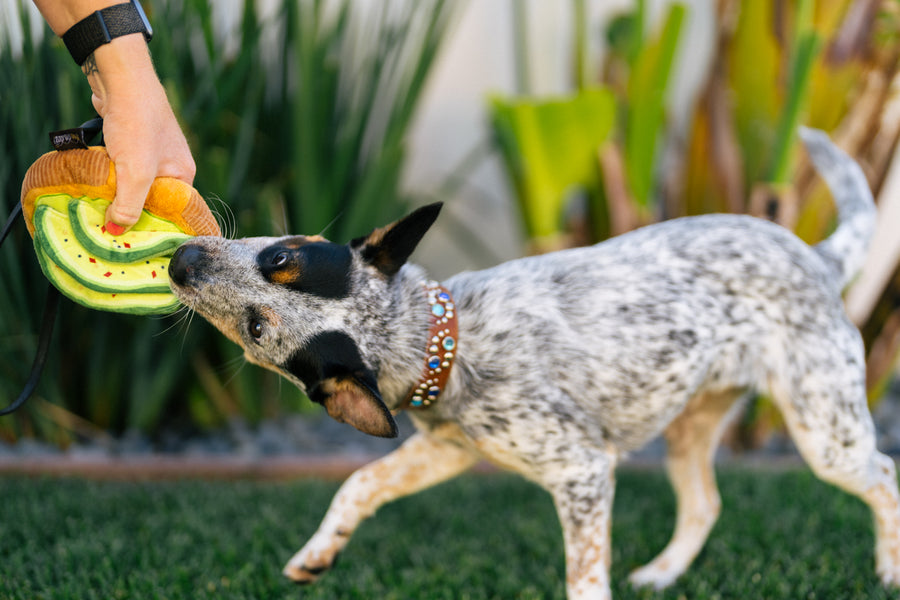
x=61 y=140
x=9 y=222
x=51 y=307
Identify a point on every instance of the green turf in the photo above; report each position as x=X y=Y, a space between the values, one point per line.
x=781 y=535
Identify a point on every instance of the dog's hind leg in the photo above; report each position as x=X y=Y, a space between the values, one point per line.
x=422 y=461
x=692 y=440
x=823 y=399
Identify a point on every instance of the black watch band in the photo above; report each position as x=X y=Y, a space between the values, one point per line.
x=103 y=26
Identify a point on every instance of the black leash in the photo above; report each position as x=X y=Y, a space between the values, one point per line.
x=62 y=140
x=9 y=222
x=51 y=307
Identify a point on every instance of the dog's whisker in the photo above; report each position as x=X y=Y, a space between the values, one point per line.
x=177 y=318
x=184 y=323
x=239 y=362
x=229 y=218
x=331 y=223
x=224 y=216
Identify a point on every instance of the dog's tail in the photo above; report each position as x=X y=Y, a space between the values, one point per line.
x=846 y=248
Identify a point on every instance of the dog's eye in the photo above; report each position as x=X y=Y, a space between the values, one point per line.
x=255 y=329
x=279 y=259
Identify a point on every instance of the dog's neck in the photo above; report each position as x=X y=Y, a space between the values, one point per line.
x=412 y=326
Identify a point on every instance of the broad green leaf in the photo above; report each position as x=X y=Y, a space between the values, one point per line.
x=550 y=147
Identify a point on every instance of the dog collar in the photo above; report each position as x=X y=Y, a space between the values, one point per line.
x=441 y=350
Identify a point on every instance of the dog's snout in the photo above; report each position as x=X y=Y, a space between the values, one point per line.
x=184 y=263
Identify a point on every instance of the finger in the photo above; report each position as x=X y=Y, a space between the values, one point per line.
x=176 y=160
x=179 y=165
x=99 y=104
x=131 y=193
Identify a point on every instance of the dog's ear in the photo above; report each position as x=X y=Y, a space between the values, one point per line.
x=388 y=248
x=332 y=370
x=357 y=402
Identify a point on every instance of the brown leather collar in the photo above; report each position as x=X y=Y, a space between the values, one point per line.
x=441 y=350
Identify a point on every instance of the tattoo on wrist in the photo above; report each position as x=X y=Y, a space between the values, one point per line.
x=90 y=66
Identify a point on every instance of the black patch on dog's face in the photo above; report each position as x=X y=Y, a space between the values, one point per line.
x=328 y=354
x=318 y=268
x=332 y=370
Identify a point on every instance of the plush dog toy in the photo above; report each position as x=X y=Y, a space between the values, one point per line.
x=64 y=199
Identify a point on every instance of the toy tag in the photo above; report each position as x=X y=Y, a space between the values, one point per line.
x=78 y=137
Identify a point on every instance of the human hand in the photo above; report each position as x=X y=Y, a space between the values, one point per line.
x=142 y=136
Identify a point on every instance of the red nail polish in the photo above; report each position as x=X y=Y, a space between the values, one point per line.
x=114 y=229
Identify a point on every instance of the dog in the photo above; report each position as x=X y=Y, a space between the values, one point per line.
x=556 y=366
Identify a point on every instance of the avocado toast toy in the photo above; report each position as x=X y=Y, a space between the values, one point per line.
x=64 y=199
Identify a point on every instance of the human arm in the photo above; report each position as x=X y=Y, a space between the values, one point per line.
x=142 y=136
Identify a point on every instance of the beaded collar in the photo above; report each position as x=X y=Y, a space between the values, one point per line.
x=441 y=351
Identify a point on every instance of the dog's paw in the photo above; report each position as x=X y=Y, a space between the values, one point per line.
x=304 y=573
x=890 y=577
x=651 y=575
x=306 y=567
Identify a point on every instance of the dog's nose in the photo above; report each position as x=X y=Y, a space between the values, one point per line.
x=184 y=263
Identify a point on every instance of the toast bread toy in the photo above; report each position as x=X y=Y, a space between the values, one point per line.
x=64 y=199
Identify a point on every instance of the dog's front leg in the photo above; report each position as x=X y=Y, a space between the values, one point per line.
x=422 y=461
x=583 y=494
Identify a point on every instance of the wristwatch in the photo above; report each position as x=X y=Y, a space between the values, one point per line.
x=103 y=26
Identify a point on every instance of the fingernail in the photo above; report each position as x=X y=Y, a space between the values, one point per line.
x=114 y=229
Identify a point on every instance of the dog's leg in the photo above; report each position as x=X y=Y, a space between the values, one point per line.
x=692 y=440
x=422 y=461
x=583 y=491
x=824 y=405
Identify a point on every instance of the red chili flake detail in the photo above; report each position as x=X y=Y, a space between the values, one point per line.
x=113 y=295
x=103 y=228
x=154 y=274
x=93 y=260
x=108 y=274
x=127 y=245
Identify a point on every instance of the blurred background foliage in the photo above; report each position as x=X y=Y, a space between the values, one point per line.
x=828 y=64
x=298 y=126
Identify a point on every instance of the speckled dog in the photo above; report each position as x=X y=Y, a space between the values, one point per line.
x=554 y=366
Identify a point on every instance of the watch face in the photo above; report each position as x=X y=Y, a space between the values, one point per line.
x=148 y=29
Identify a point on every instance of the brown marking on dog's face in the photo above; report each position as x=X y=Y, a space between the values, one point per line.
x=270 y=315
x=290 y=275
x=227 y=328
x=296 y=241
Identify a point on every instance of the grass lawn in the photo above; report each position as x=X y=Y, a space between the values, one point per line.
x=781 y=535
